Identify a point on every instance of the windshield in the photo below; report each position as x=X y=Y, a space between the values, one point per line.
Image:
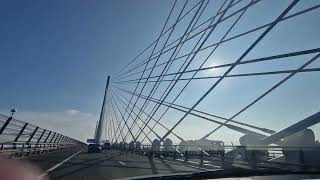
x=120 y=89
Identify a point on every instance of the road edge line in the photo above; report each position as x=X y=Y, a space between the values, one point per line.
x=60 y=163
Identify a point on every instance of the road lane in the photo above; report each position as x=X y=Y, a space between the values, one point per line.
x=114 y=164
x=47 y=160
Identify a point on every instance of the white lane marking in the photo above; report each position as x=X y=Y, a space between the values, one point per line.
x=122 y=163
x=193 y=162
x=60 y=163
x=188 y=165
x=212 y=165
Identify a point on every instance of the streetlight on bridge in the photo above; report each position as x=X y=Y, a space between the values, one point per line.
x=12 y=112
x=8 y=121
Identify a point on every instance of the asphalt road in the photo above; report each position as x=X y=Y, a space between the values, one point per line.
x=47 y=160
x=69 y=164
x=110 y=164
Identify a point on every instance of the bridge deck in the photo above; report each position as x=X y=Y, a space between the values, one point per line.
x=106 y=165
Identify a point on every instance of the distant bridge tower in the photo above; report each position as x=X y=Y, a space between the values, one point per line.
x=101 y=119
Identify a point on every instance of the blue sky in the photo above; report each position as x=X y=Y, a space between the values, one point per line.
x=55 y=57
x=57 y=54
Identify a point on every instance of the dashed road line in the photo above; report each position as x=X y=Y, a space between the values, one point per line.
x=187 y=165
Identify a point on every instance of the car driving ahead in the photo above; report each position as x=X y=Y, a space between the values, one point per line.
x=94 y=148
x=106 y=145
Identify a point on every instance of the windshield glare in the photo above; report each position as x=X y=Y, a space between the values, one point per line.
x=132 y=89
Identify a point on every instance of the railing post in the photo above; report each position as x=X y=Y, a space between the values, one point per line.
x=60 y=139
x=63 y=141
x=58 y=136
x=41 y=136
x=22 y=149
x=47 y=137
x=201 y=158
x=20 y=133
x=52 y=138
x=57 y=142
x=222 y=158
x=33 y=133
x=252 y=158
x=45 y=141
x=301 y=156
x=5 y=125
x=186 y=155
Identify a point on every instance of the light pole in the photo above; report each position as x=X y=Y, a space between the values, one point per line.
x=12 y=112
x=8 y=121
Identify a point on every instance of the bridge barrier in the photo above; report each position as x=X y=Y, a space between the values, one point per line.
x=241 y=156
x=19 y=138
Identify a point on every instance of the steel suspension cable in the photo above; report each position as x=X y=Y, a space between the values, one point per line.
x=167 y=67
x=242 y=34
x=113 y=100
x=206 y=59
x=233 y=127
x=266 y=93
x=117 y=120
x=240 y=75
x=112 y=126
x=130 y=117
x=202 y=43
x=155 y=108
x=186 y=60
x=167 y=19
x=162 y=49
x=119 y=74
x=201 y=31
x=148 y=116
x=256 y=60
x=123 y=104
x=241 y=57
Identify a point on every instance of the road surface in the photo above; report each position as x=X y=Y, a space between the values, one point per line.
x=107 y=165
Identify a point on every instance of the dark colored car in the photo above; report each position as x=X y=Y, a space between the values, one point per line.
x=106 y=146
x=94 y=148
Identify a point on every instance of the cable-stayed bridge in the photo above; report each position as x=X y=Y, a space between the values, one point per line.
x=225 y=84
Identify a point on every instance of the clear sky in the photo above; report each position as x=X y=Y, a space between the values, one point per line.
x=55 y=56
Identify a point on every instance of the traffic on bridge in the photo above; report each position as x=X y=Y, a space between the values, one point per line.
x=224 y=89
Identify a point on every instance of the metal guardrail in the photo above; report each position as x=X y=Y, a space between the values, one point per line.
x=19 y=138
x=227 y=156
x=26 y=150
